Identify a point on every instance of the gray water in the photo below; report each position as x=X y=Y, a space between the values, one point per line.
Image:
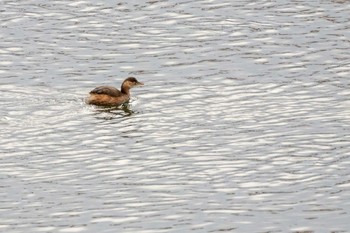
x=243 y=124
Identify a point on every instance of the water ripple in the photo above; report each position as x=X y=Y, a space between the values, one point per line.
x=244 y=116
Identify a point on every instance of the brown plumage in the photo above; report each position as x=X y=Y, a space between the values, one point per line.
x=111 y=96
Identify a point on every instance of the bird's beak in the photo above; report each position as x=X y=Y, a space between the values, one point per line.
x=139 y=84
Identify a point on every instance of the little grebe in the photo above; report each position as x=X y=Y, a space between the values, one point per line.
x=110 y=96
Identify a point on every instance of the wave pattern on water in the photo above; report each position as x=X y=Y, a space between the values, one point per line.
x=243 y=124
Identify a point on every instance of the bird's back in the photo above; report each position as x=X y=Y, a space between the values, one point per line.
x=107 y=90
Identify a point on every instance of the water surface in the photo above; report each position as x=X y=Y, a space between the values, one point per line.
x=243 y=124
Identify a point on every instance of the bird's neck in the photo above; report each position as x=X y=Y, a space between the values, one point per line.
x=125 y=90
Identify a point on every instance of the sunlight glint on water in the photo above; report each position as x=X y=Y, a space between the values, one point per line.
x=243 y=124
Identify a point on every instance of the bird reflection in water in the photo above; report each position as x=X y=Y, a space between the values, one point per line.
x=109 y=113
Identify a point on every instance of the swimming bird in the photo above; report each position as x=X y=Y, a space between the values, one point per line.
x=111 y=96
